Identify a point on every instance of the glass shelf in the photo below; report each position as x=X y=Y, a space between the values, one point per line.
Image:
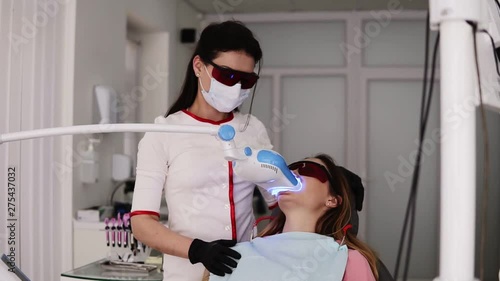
x=95 y=271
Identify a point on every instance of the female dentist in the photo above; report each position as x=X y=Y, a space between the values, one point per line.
x=209 y=207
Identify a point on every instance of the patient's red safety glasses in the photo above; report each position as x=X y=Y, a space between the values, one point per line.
x=230 y=77
x=311 y=169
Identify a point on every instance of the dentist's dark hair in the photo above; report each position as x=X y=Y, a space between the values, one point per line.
x=216 y=38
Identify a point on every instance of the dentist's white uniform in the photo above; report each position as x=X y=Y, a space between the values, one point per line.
x=205 y=199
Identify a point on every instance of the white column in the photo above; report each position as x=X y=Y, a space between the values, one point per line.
x=458 y=152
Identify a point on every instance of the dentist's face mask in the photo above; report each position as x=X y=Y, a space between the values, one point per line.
x=222 y=97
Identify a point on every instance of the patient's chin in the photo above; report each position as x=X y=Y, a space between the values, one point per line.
x=288 y=201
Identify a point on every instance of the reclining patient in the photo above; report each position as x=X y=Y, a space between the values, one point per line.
x=309 y=239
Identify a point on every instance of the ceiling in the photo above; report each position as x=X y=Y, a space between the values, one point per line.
x=264 y=6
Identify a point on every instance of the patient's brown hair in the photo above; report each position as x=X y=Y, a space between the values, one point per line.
x=335 y=219
x=206 y=275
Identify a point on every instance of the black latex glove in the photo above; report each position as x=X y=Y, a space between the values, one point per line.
x=216 y=256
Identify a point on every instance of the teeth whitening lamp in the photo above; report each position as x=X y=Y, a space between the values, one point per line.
x=265 y=168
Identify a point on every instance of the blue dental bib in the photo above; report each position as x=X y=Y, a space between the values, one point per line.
x=291 y=256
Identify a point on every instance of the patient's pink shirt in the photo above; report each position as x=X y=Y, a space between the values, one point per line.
x=357 y=268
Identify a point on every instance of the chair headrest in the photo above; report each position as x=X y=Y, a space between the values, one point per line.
x=356 y=187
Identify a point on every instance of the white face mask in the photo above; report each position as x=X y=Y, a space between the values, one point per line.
x=224 y=98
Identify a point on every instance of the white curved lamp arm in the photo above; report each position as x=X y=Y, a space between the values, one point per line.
x=260 y=167
x=106 y=128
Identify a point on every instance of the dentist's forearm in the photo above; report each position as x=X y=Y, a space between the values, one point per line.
x=150 y=231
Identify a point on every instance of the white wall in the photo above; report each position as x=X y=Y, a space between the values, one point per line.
x=152 y=94
x=99 y=59
x=186 y=18
x=101 y=28
x=153 y=16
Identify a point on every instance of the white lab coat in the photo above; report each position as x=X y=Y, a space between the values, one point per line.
x=205 y=200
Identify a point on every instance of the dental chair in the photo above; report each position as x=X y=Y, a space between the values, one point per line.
x=358 y=193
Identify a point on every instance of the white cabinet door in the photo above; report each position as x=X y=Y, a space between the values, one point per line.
x=89 y=243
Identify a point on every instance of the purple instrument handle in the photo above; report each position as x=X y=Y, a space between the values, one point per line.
x=126 y=220
x=126 y=233
x=113 y=232
x=119 y=228
x=106 y=222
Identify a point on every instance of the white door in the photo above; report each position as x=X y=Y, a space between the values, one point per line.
x=301 y=97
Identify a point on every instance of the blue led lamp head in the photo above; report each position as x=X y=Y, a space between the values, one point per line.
x=267 y=169
x=285 y=180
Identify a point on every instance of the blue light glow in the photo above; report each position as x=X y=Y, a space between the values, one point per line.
x=277 y=189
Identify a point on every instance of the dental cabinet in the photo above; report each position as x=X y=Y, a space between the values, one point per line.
x=91 y=255
x=89 y=242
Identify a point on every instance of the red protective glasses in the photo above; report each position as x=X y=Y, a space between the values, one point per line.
x=311 y=169
x=230 y=77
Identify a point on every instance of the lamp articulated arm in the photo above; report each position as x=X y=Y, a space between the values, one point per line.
x=263 y=167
